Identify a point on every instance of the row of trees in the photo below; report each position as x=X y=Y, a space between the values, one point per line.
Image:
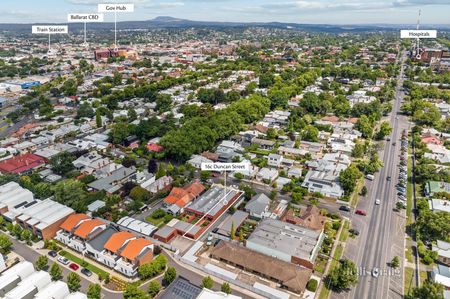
x=200 y=133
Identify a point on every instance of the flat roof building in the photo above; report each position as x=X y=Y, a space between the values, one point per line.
x=44 y=218
x=213 y=202
x=138 y=226
x=286 y=241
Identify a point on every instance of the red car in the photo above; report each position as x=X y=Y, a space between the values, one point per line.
x=361 y=212
x=74 y=266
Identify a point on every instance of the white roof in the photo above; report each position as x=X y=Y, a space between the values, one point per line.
x=209 y=294
x=22 y=270
x=54 y=290
x=76 y=295
x=37 y=280
x=137 y=225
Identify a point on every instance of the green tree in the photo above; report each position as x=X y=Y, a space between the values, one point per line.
x=119 y=132
x=385 y=130
x=5 y=244
x=98 y=119
x=395 y=263
x=132 y=291
x=241 y=235
x=85 y=110
x=153 y=288
x=25 y=235
x=428 y=290
x=364 y=191
x=349 y=177
x=207 y=282
x=170 y=275
x=73 y=282
x=17 y=230
x=55 y=272
x=94 y=291
x=41 y=262
x=232 y=231
x=132 y=115
x=365 y=126
x=343 y=276
x=310 y=133
x=225 y=287
x=71 y=193
x=140 y=194
x=62 y=163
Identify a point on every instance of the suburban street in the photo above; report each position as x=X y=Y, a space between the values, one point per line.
x=382 y=230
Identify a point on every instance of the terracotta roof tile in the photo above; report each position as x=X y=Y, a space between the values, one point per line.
x=117 y=240
x=72 y=221
x=134 y=247
x=87 y=227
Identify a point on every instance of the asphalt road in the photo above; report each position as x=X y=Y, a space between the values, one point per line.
x=382 y=230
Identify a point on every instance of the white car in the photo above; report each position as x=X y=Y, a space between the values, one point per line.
x=375 y=272
x=377 y=201
x=63 y=260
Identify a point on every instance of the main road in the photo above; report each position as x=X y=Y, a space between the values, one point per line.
x=382 y=230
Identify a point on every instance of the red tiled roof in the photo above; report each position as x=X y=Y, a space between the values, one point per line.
x=134 y=247
x=117 y=240
x=72 y=221
x=153 y=147
x=182 y=196
x=21 y=163
x=85 y=228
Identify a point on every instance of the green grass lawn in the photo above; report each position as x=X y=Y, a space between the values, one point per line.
x=344 y=233
x=409 y=254
x=80 y=261
x=409 y=274
x=320 y=265
x=156 y=222
x=355 y=195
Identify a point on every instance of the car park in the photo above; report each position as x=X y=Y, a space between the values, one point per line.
x=74 y=266
x=86 y=272
x=63 y=260
x=52 y=253
x=361 y=212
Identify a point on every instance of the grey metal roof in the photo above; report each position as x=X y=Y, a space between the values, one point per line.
x=258 y=204
x=237 y=219
x=99 y=241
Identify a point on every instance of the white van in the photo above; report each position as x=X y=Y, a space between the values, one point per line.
x=370 y=177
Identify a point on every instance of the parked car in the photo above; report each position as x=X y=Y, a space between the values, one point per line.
x=52 y=253
x=74 y=266
x=86 y=272
x=388 y=178
x=345 y=208
x=361 y=212
x=353 y=231
x=63 y=260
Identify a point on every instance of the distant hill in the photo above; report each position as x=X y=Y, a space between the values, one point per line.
x=170 y=22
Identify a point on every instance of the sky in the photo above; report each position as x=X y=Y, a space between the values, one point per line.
x=295 y=11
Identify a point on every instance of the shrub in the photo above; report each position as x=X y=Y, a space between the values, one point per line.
x=312 y=285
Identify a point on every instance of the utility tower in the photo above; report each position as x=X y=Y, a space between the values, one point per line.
x=417 y=46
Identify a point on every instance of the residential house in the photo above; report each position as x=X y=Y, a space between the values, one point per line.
x=439 y=205
x=433 y=187
x=267 y=174
x=178 y=198
x=21 y=164
x=274 y=160
x=114 y=181
x=441 y=275
x=258 y=206
x=443 y=251
x=264 y=144
x=309 y=218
